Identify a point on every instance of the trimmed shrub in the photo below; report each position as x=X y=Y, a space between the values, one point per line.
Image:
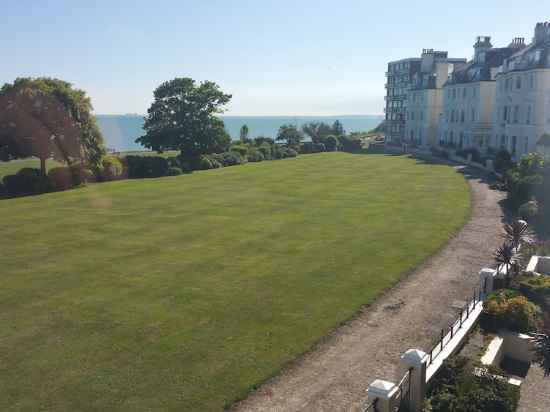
x=469 y=151
x=27 y=181
x=240 y=149
x=255 y=156
x=112 y=168
x=503 y=161
x=331 y=143
x=174 y=171
x=509 y=309
x=289 y=152
x=61 y=178
x=146 y=166
x=173 y=161
x=351 y=144
x=439 y=152
x=265 y=150
x=3 y=191
x=228 y=158
x=529 y=210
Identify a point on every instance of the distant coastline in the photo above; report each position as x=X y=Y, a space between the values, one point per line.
x=121 y=131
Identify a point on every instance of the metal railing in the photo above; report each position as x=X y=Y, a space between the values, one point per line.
x=404 y=392
x=372 y=407
x=447 y=335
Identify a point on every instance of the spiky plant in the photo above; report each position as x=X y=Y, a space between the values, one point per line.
x=517 y=232
x=504 y=256
x=542 y=351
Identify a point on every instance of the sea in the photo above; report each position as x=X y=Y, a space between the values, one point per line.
x=121 y=131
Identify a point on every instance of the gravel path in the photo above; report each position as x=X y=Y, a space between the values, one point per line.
x=535 y=396
x=334 y=376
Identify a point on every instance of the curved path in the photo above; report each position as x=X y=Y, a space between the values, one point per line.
x=334 y=376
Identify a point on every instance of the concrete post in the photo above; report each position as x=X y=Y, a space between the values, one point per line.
x=418 y=361
x=487 y=280
x=385 y=392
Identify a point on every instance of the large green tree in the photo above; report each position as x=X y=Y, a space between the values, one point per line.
x=317 y=131
x=182 y=117
x=48 y=118
x=290 y=135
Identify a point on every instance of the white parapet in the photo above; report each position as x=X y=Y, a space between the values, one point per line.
x=384 y=393
x=539 y=265
x=415 y=361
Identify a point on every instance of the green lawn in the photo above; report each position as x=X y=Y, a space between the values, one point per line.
x=182 y=293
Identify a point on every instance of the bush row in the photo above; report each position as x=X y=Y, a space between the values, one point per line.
x=29 y=181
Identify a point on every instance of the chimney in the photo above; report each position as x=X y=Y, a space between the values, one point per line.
x=517 y=43
x=482 y=44
x=542 y=33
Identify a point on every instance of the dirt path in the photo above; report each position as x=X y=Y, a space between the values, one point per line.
x=334 y=376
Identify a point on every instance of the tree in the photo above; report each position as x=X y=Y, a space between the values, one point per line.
x=338 y=129
x=47 y=118
x=244 y=133
x=317 y=131
x=290 y=134
x=182 y=117
x=517 y=233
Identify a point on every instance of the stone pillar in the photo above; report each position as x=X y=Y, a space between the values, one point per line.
x=418 y=361
x=385 y=392
x=487 y=279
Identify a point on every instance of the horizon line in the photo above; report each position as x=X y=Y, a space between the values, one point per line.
x=258 y=115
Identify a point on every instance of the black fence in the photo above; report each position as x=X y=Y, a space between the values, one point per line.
x=405 y=392
x=447 y=335
x=372 y=406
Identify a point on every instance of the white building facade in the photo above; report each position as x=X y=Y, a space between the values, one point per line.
x=522 y=103
x=469 y=97
x=425 y=97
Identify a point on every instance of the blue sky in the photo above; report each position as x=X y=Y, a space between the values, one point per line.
x=276 y=57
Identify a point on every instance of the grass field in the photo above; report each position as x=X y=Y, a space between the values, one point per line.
x=182 y=293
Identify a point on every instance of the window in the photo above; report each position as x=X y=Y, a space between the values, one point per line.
x=526 y=145
x=514 y=144
x=516 y=114
x=454 y=93
x=473 y=114
x=464 y=93
x=504 y=114
x=446 y=116
x=528 y=116
x=532 y=81
x=462 y=116
x=412 y=115
x=507 y=85
x=452 y=116
x=474 y=92
x=518 y=82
